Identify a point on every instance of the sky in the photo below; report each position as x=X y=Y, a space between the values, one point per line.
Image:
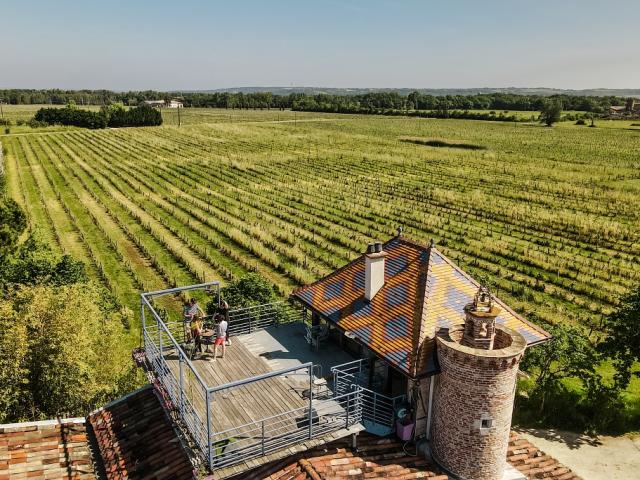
x=197 y=45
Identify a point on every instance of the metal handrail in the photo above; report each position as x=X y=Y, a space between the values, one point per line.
x=173 y=340
x=305 y=408
x=273 y=435
x=325 y=411
x=180 y=289
x=257 y=378
x=376 y=407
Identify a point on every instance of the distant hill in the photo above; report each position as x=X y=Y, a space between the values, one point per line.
x=595 y=92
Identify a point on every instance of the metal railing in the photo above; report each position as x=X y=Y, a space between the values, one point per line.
x=258 y=317
x=266 y=435
x=192 y=399
x=376 y=407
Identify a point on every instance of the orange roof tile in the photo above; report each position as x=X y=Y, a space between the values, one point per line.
x=534 y=463
x=136 y=439
x=52 y=449
x=423 y=292
x=377 y=457
x=374 y=457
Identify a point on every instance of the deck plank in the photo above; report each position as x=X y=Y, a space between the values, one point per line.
x=249 y=403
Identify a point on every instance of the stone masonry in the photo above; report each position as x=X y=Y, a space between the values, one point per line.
x=473 y=402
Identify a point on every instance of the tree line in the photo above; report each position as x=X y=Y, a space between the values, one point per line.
x=114 y=115
x=365 y=103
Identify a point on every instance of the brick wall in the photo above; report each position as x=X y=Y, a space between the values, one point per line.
x=473 y=403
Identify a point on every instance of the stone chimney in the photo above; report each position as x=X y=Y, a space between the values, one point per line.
x=373 y=270
x=480 y=321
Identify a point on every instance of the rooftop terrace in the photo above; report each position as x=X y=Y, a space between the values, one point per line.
x=265 y=400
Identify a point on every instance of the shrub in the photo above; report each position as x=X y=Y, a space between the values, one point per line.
x=33 y=123
x=248 y=291
x=581 y=122
x=112 y=116
x=71 y=116
x=141 y=116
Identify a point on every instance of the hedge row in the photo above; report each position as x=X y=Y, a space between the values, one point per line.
x=134 y=117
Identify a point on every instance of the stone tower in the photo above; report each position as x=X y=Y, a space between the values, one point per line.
x=475 y=390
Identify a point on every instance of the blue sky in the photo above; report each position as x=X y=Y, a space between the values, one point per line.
x=190 y=44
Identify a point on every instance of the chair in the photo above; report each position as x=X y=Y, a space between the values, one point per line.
x=316 y=334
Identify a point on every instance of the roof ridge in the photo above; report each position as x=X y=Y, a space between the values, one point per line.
x=120 y=399
x=6 y=427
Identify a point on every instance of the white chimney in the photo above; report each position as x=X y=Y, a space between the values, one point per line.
x=373 y=270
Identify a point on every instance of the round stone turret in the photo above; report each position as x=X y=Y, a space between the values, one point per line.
x=474 y=394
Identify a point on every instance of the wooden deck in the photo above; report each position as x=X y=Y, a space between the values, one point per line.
x=247 y=404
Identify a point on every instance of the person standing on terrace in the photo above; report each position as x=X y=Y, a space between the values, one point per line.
x=191 y=311
x=221 y=336
x=224 y=311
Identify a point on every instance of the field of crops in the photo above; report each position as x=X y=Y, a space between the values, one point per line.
x=549 y=216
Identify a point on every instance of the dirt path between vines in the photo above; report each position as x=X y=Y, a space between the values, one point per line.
x=600 y=458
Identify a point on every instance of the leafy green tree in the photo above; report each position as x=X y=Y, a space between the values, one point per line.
x=248 y=291
x=67 y=352
x=12 y=223
x=33 y=263
x=551 y=112
x=622 y=342
x=568 y=354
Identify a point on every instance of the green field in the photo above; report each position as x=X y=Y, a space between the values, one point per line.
x=548 y=216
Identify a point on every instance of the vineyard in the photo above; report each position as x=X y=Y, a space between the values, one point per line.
x=548 y=216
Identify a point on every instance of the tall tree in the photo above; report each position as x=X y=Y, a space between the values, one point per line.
x=622 y=343
x=551 y=112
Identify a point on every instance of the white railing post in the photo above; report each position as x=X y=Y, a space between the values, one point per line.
x=375 y=406
x=310 y=402
x=144 y=323
x=348 y=407
x=181 y=379
x=263 y=438
x=209 y=448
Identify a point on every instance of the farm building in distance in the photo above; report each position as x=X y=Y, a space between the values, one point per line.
x=173 y=103
x=630 y=109
x=399 y=345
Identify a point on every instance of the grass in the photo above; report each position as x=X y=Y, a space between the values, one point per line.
x=549 y=216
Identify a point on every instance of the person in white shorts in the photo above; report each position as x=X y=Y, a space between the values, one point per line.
x=221 y=336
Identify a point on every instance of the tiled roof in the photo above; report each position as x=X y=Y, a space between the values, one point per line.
x=136 y=440
x=53 y=449
x=375 y=457
x=423 y=292
x=534 y=463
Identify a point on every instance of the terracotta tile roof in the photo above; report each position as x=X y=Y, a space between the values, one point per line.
x=423 y=292
x=53 y=449
x=375 y=457
x=534 y=463
x=136 y=439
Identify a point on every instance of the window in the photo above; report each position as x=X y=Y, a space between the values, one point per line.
x=486 y=423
